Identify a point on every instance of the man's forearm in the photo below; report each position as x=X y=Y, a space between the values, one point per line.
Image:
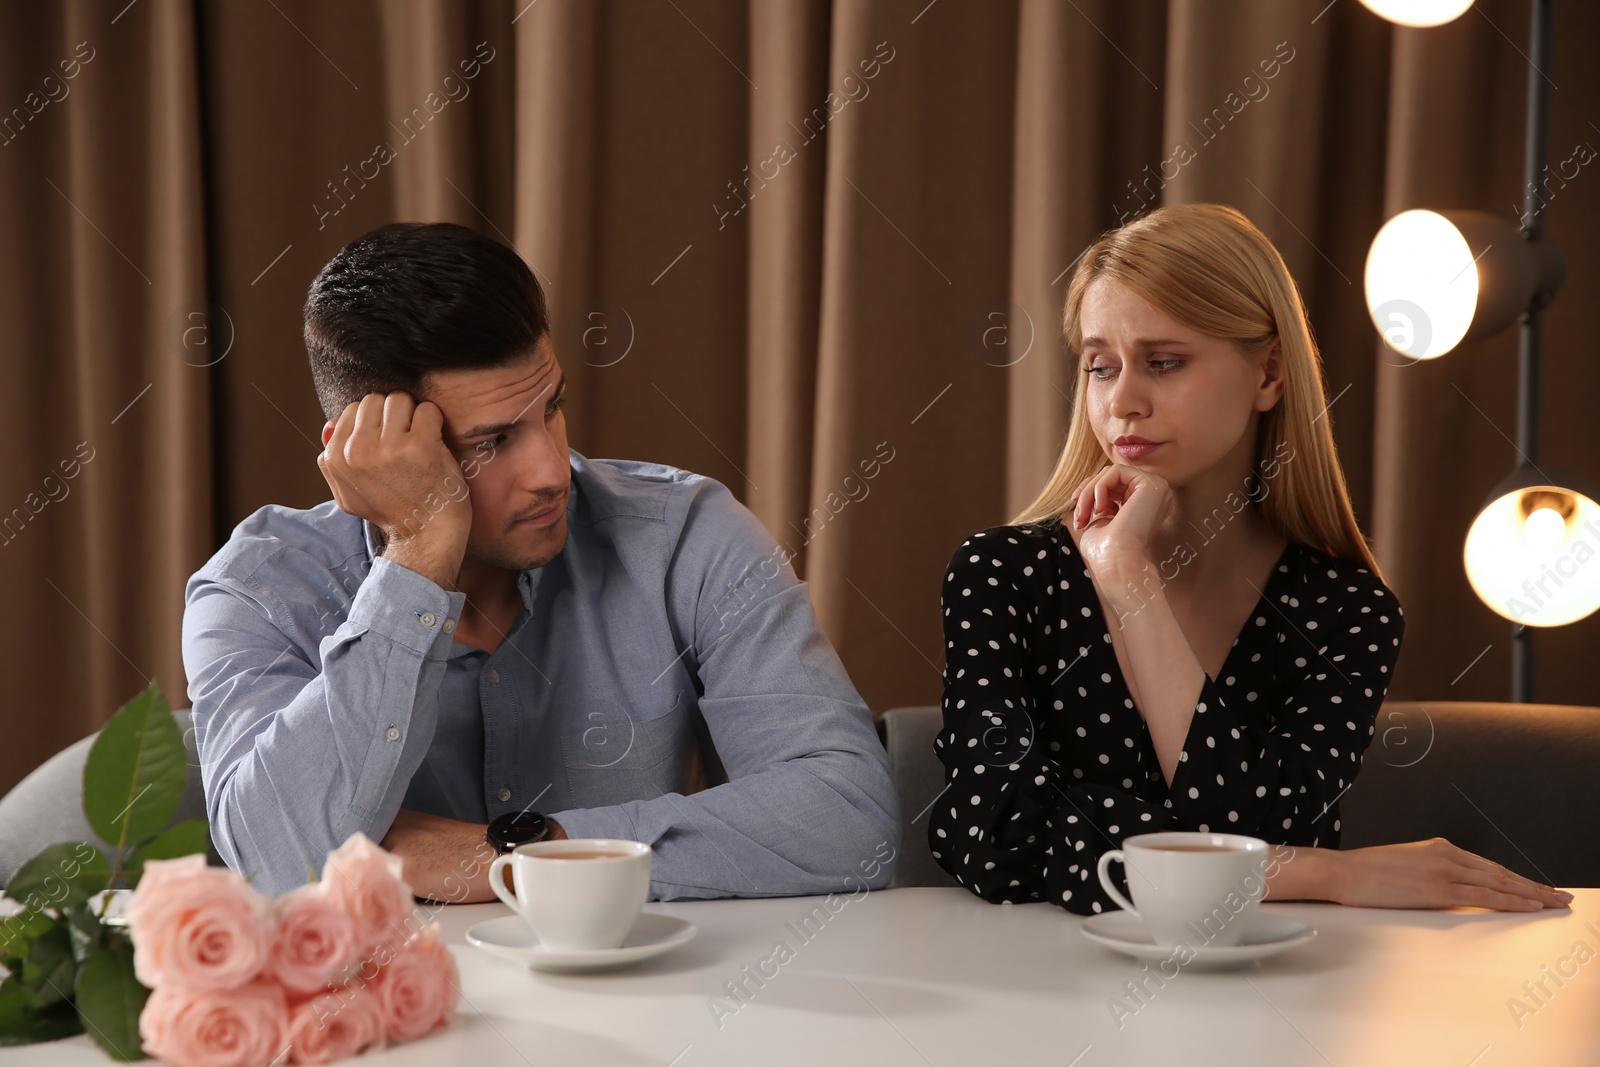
x=436 y=559
x=731 y=840
x=447 y=860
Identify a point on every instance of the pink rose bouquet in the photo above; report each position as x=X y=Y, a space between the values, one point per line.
x=320 y=974
x=418 y=988
x=335 y=1025
x=196 y=1027
x=197 y=926
x=365 y=882
x=317 y=940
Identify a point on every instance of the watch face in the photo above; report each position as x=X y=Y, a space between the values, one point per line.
x=517 y=828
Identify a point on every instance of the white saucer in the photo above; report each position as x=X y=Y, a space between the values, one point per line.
x=510 y=938
x=1266 y=935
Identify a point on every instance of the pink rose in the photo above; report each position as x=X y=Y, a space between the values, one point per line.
x=335 y=1026
x=365 y=881
x=316 y=941
x=419 y=987
x=198 y=926
x=242 y=1027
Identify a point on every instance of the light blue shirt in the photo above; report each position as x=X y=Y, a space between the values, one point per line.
x=328 y=693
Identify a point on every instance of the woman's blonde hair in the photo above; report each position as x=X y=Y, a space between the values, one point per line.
x=1208 y=267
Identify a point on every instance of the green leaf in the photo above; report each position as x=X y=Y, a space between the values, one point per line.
x=18 y=930
x=133 y=779
x=62 y=876
x=182 y=839
x=20 y=1026
x=87 y=932
x=48 y=972
x=110 y=999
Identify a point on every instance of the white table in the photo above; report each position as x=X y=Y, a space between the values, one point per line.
x=921 y=977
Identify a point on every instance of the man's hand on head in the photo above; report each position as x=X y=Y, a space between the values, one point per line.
x=385 y=460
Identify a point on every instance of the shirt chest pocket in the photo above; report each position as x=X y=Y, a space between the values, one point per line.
x=616 y=755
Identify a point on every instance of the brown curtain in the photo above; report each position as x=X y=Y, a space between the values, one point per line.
x=108 y=475
x=785 y=244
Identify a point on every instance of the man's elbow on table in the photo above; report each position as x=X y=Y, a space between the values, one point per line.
x=869 y=853
x=274 y=868
x=878 y=870
x=848 y=859
x=240 y=854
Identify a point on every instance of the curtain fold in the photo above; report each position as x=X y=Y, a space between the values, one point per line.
x=813 y=248
x=105 y=492
x=788 y=149
x=1285 y=119
x=914 y=253
x=1075 y=149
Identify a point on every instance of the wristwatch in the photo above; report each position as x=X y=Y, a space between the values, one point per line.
x=517 y=828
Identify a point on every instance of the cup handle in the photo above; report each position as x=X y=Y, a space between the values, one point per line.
x=497 y=880
x=1105 y=881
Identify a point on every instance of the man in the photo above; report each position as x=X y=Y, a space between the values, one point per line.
x=484 y=625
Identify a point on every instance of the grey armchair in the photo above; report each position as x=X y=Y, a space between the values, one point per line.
x=1515 y=783
x=46 y=807
x=918 y=775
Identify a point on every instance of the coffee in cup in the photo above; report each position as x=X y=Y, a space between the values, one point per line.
x=1194 y=889
x=576 y=894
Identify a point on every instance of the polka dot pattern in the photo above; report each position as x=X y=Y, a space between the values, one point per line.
x=1054 y=761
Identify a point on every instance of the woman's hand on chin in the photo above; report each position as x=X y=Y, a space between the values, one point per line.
x=1116 y=515
x=1433 y=874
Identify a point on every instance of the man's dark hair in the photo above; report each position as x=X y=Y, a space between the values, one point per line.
x=414 y=297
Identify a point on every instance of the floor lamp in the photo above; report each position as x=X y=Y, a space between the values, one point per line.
x=1436 y=279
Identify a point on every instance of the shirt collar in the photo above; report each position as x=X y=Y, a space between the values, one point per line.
x=369 y=534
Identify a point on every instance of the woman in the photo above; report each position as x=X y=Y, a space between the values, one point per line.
x=1199 y=503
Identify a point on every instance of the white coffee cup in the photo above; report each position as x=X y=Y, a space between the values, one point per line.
x=1194 y=889
x=583 y=893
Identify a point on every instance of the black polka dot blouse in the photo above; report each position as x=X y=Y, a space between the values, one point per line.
x=1048 y=764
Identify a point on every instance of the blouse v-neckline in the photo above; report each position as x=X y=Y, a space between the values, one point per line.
x=1278 y=571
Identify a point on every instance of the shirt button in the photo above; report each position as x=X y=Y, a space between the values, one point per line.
x=392 y=733
x=494 y=677
x=449 y=626
x=504 y=794
x=426 y=618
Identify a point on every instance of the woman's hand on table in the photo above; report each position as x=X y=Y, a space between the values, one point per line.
x=1431 y=874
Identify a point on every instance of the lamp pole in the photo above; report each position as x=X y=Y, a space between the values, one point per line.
x=1531 y=334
